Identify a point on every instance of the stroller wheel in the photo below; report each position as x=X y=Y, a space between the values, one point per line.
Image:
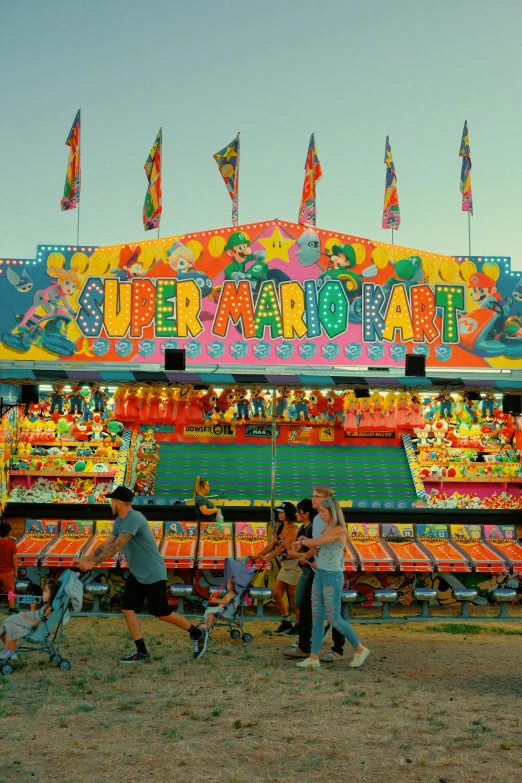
x=55 y=660
x=64 y=665
x=247 y=637
x=235 y=634
x=6 y=669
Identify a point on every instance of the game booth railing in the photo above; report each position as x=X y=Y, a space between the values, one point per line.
x=267 y=359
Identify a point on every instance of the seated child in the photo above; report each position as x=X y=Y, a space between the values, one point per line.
x=19 y=625
x=219 y=607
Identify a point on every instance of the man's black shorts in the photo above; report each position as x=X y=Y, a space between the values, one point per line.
x=135 y=593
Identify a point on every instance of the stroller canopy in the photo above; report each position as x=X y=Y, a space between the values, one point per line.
x=241 y=574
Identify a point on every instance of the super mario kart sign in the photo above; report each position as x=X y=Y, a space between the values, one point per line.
x=268 y=293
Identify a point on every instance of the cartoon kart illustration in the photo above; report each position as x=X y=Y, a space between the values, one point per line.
x=48 y=330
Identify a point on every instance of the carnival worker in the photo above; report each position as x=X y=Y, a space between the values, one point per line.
x=147 y=577
x=328 y=585
x=289 y=571
x=204 y=507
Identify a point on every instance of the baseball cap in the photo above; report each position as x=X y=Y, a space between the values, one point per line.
x=482 y=280
x=287 y=507
x=122 y=493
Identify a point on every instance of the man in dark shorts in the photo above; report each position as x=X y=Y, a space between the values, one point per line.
x=147 y=575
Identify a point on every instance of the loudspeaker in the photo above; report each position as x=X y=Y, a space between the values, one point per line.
x=415 y=365
x=361 y=393
x=474 y=396
x=511 y=403
x=29 y=395
x=174 y=360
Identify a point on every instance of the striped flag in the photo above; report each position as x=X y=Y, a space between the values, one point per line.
x=228 y=165
x=391 y=213
x=313 y=173
x=465 y=172
x=71 y=191
x=152 y=208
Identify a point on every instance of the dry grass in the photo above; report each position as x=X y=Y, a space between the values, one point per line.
x=431 y=704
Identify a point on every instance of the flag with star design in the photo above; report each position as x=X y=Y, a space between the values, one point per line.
x=227 y=160
x=391 y=213
x=152 y=208
x=313 y=173
x=465 y=172
x=71 y=191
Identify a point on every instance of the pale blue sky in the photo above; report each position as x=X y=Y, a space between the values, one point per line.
x=276 y=70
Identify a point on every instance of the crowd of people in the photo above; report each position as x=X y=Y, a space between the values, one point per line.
x=308 y=546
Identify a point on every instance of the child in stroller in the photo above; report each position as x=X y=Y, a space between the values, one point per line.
x=32 y=631
x=230 y=608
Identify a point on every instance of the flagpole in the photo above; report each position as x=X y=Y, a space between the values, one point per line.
x=392 y=235
x=78 y=226
x=469 y=233
x=237 y=182
x=79 y=193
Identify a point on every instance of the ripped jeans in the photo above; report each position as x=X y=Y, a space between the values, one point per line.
x=326 y=607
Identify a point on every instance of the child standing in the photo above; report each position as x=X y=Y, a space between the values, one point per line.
x=8 y=563
x=219 y=607
x=19 y=625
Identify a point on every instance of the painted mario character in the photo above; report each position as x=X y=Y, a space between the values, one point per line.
x=243 y=404
x=207 y=402
x=258 y=403
x=341 y=262
x=129 y=265
x=343 y=257
x=484 y=290
x=300 y=404
x=239 y=250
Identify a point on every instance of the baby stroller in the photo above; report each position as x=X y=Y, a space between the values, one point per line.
x=47 y=635
x=234 y=615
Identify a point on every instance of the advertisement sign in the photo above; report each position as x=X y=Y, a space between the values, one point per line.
x=266 y=293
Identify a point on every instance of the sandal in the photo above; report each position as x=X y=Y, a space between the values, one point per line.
x=331 y=657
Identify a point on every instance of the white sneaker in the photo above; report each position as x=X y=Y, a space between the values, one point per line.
x=359 y=658
x=309 y=663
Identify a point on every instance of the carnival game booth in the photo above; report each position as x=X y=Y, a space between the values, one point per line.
x=295 y=341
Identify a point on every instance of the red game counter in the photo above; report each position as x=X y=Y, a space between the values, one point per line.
x=434 y=538
x=503 y=540
x=371 y=550
x=215 y=544
x=102 y=530
x=70 y=541
x=38 y=535
x=408 y=554
x=179 y=544
x=484 y=558
x=250 y=539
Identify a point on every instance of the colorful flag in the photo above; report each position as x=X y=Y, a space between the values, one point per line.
x=391 y=213
x=71 y=191
x=152 y=208
x=228 y=165
x=465 y=172
x=313 y=173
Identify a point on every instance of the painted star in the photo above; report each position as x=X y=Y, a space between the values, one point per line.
x=230 y=152
x=277 y=246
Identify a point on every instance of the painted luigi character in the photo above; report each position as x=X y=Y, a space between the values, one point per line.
x=239 y=250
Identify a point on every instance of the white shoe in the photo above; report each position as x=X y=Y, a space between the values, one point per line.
x=309 y=663
x=359 y=658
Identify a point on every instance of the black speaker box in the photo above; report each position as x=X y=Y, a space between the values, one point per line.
x=474 y=396
x=511 y=404
x=361 y=393
x=29 y=395
x=415 y=365
x=174 y=360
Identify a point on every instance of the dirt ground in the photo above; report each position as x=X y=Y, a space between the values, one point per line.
x=434 y=702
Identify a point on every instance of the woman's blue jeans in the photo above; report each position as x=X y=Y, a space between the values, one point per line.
x=326 y=607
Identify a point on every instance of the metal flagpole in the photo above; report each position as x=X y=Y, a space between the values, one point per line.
x=469 y=233
x=392 y=235
x=78 y=226
x=274 y=461
x=79 y=194
x=237 y=182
